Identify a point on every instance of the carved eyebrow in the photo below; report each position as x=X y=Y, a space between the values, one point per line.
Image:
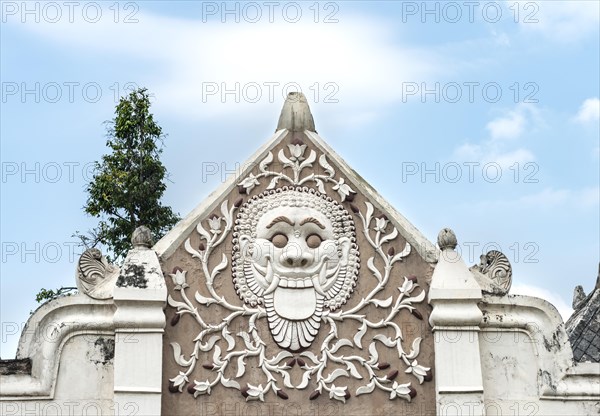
x=313 y=221
x=280 y=219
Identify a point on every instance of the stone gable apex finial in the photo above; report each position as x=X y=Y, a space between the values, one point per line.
x=295 y=114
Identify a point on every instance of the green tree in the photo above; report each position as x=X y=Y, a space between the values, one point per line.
x=129 y=182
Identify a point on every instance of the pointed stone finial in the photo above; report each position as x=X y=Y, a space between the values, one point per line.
x=447 y=239
x=295 y=114
x=141 y=237
x=578 y=297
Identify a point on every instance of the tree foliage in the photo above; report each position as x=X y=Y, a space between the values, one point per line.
x=128 y=182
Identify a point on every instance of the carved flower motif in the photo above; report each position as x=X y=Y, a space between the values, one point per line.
x=179 y=279
x=400 y=390
x=297 y=152
x=343 y=189
x=249 y=182
x=215 y=224
x=201 y=388
x=418 y=370
x=380 y=224
x=255 y=393
x=407 y=286
x=338 y=393
x=179 y=380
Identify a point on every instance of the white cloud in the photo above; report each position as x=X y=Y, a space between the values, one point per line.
x=539 y=292
x=503 y=130
x=589 y=111
x=550 y=199
x=509 y=127
x=564 y=21
x=356 y=62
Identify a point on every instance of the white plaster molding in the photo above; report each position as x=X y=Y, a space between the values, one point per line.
x=454 y=294
x=139 y=320
x=559 y=378
x=44 y=337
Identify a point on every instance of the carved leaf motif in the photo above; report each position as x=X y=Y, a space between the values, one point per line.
x=227 y=337
x=341 y=343
x=283 y=159
x=326 y=166
x=282 y=355
x=387 y=341
x=200 y=229
x=273 y=182
x=179 y=305
x=374 y=355
x=309 y=160
x=286 y=380
x=225 y=212
x=320 y=186
x=179 y=358
x=416 y=299
x=366 y=389
x=416 y=348
x=246 y=337
x=230 y=383
x=382 y=303
x=305 y=380
x=218 y=268
x=402 y=254
x=353 y=371
x=358 y=336
x=217 y=356
x=241 y=365
x=389 y=237
x=370 y=210
x=265 y=162
x=202 y=300
x=209 y=344
x=371 y=266
x=311 y=356
x=338 y=372
x=191 y=250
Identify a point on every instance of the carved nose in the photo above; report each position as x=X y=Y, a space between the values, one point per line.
x=294 y=262
x=296 y=257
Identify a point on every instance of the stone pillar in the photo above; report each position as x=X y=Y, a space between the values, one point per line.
x=454 y=295
x=140 y=296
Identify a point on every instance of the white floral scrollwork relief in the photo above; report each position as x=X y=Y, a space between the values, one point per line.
x=295 y=265
x=297 y=163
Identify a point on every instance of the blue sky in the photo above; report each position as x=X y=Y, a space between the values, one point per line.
x=483 y=117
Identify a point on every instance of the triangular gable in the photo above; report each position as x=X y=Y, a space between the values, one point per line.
x=297 y=260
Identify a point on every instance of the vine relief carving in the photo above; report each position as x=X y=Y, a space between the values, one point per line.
x=295 y=264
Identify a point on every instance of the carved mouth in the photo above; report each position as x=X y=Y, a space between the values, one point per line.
x=321 y=281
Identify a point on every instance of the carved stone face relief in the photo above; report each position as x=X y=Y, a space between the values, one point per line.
x=296 y=255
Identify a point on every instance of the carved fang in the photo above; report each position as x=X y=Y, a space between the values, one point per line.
x=273 y=285
x=317 y=285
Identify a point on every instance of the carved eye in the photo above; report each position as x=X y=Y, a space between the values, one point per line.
x=279 y=240
x=313 y=241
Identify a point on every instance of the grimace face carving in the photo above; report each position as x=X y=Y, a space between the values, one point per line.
x=295 y=253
